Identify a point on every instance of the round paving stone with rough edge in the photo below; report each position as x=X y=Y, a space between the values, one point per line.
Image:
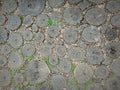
x=5 y=78
x=70 y=36
x=64 y=65
x=2 y=19
x=72 y=15
x=15 y=60
x=18 y=78
x=27 y=35
x=115 y=20
x=113 y=49
x=102 y=72
x=111 y=34
x=112 y=83
x=39 y=37
x=5 y=49
x=56 y=3
x=28 y=50
x=37 y=71
x=45 y=50
x=53 y=31
x=31 y=7
x=113 y=6
x=56 y=16
x=3 y=60
x=60 y=50
x=115 y=67
x=96 y=16
x=45 y=86
x=94 y=55
x=84 y=4
x=3 y=35
x=91 y=34
x=95 y=86
x=13 y=22
x=75 y=53
x=97 y=1
x=53 y=59
x=8 y=6
x=28 y=20
x=15 y=40
x=42 y=20
x=34 y=28
x=58 y=82
x=74 y=1
x=82 y=73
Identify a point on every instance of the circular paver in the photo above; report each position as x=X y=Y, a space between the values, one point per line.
x=4 y=77
x=31 y=7
x=15 y=40
x=64 y=65
x=8 y=6
x=39 y=37
x=13 y=22
x=94 y=55
x=45 y=50
x=113 y=83
x=42 y=20
x=37 y=71
x=82 y=73
x=27 y=35
x=34 y=28
x=102 y=72
x=115 y=67
x=70 y=36
x=75 y=53
x=95 y=86
x=18 y=78
x=56 y=16
x=111 y=34
x=15 y=60
x=53 y=59
x=5 y=49
x=3 y=35
x=56 y=3
x=74 y=1
x=115 y=20
x=113 y=49
x=28 y=20
x=60 y=50
x=91 y=34
x=97 y=1
x=58 y=82
x=2 y=19
x=113 y=6
x=3 y=60
x=28 y=50
x=53 y=31
x=84 y=4
x=96 y=16
x=72 y=15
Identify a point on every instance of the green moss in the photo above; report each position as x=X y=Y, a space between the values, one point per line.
x=12 y=72
x=30 y=58
x=118 y=1
x=83 y=60
x=18 y=88
x=89 y=82
x=73 y=68
x=47 y=62
x=52 y=23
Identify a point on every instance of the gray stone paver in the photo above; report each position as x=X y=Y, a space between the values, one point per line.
x=59 y=44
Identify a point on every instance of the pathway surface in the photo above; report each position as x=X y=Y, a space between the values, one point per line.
x=59 y=45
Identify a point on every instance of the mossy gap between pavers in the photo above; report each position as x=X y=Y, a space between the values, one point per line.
x=73 y=66
x=30 y=58
x=89 y=82
x=46 y=59
x=36 y=85
x=52 y=23
x=118 y=1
